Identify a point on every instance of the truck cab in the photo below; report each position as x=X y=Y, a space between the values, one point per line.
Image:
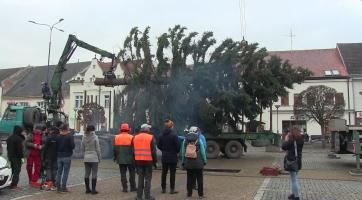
x=13 y=115
x=18 y=115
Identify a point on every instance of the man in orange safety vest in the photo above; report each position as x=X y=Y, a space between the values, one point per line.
x=144 y=146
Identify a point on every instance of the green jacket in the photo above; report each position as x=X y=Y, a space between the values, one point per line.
x=123 y=149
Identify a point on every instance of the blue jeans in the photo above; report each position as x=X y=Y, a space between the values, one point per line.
x=295 y=183
x=63 y=172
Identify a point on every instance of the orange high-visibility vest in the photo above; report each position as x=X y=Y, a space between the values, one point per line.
x=123 y=139
x=142 y=147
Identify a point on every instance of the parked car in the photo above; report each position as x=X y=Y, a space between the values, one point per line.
x=5 y=173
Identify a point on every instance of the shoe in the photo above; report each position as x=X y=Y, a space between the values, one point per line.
x=296 y=198
x=87 y=189
x=94 y=184
x=163 y=190
x=125 y=190
x=137 y=198
x=151 y=198
x=133 y=190
x=65 y=190
x=202 y=197
x=35 y=184
x=291 y=197
x=173 y=191
x=53 y=188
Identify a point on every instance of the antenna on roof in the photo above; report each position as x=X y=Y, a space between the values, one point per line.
x=242 y=19
x=291 y=36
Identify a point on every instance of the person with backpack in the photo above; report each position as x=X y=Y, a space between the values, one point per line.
x=193 y=155
x=123 y=156
x=145 y=155
x=15 y=154
x=293 y=145
x=169 y=145
x=92 y=157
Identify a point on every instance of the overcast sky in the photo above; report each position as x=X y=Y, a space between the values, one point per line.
x=316 y=24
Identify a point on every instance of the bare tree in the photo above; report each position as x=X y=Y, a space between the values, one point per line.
x=319 y=103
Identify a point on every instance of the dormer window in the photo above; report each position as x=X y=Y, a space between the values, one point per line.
x=332 y=72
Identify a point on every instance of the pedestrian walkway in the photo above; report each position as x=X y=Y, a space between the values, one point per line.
x=279 y=188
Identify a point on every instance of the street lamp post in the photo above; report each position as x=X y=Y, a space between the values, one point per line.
x=51 y=27
x=277 y=107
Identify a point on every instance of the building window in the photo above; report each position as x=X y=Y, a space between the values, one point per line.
x=96 y=99
x=285 y=100
x=78 y=101
x=23 y=103
x=297 y=99
x=339 y=100
x=106 y=101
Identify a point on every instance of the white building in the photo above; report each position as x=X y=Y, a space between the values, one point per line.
x=329 y=70
x=83 y=90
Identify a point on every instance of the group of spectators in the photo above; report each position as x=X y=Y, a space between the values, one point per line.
x=47 y=150
x=138 y=154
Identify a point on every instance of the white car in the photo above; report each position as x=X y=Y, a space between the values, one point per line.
x=5 y=173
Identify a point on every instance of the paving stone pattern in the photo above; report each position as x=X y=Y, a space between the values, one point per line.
x=76 y=176
x=279 y=188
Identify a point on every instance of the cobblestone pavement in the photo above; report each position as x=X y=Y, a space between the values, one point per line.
x=279 y=188
x=75 y=177
x=322 y=178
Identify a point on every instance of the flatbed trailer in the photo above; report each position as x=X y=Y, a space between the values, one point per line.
x=231 y=143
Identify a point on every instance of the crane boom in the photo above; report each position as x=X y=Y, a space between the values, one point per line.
x=56 y=83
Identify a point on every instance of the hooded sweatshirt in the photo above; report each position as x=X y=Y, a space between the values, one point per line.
x=15 y=144
x=90 y=147
x=65 y=145
x=170 y=146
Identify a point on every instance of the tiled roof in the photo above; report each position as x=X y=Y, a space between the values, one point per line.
x=30 y=85
x=6 y=73
x=351 y=54
x=316 y=60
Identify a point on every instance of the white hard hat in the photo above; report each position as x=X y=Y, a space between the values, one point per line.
x=145 y=126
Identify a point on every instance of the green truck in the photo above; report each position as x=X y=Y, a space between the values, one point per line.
x=24 y=116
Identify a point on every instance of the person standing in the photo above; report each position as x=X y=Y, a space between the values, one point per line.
x=145 y=156
x=34 y=144
x=65 y=146
x=123 y=155
x=50 y=157
x=169 y=145
x=193 y=156
x=293 y=144
x=15 y=154
x=92 y=156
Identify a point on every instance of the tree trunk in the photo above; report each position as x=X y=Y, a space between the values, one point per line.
x=271 y=118
x=323 y=135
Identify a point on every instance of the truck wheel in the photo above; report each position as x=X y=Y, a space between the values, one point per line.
x=233 y=149
x=213 y=149
x=31 y=116
x=260 y=143
x=77 y=152
x=106 y=148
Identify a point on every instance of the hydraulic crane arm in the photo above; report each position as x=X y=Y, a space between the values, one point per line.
x=56 y=82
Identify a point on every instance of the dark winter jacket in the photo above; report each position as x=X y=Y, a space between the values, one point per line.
x=200 y=160
x=170 y=146
x=290 y=154
x=65 y=145
x=15 y=143
x=50 y=150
